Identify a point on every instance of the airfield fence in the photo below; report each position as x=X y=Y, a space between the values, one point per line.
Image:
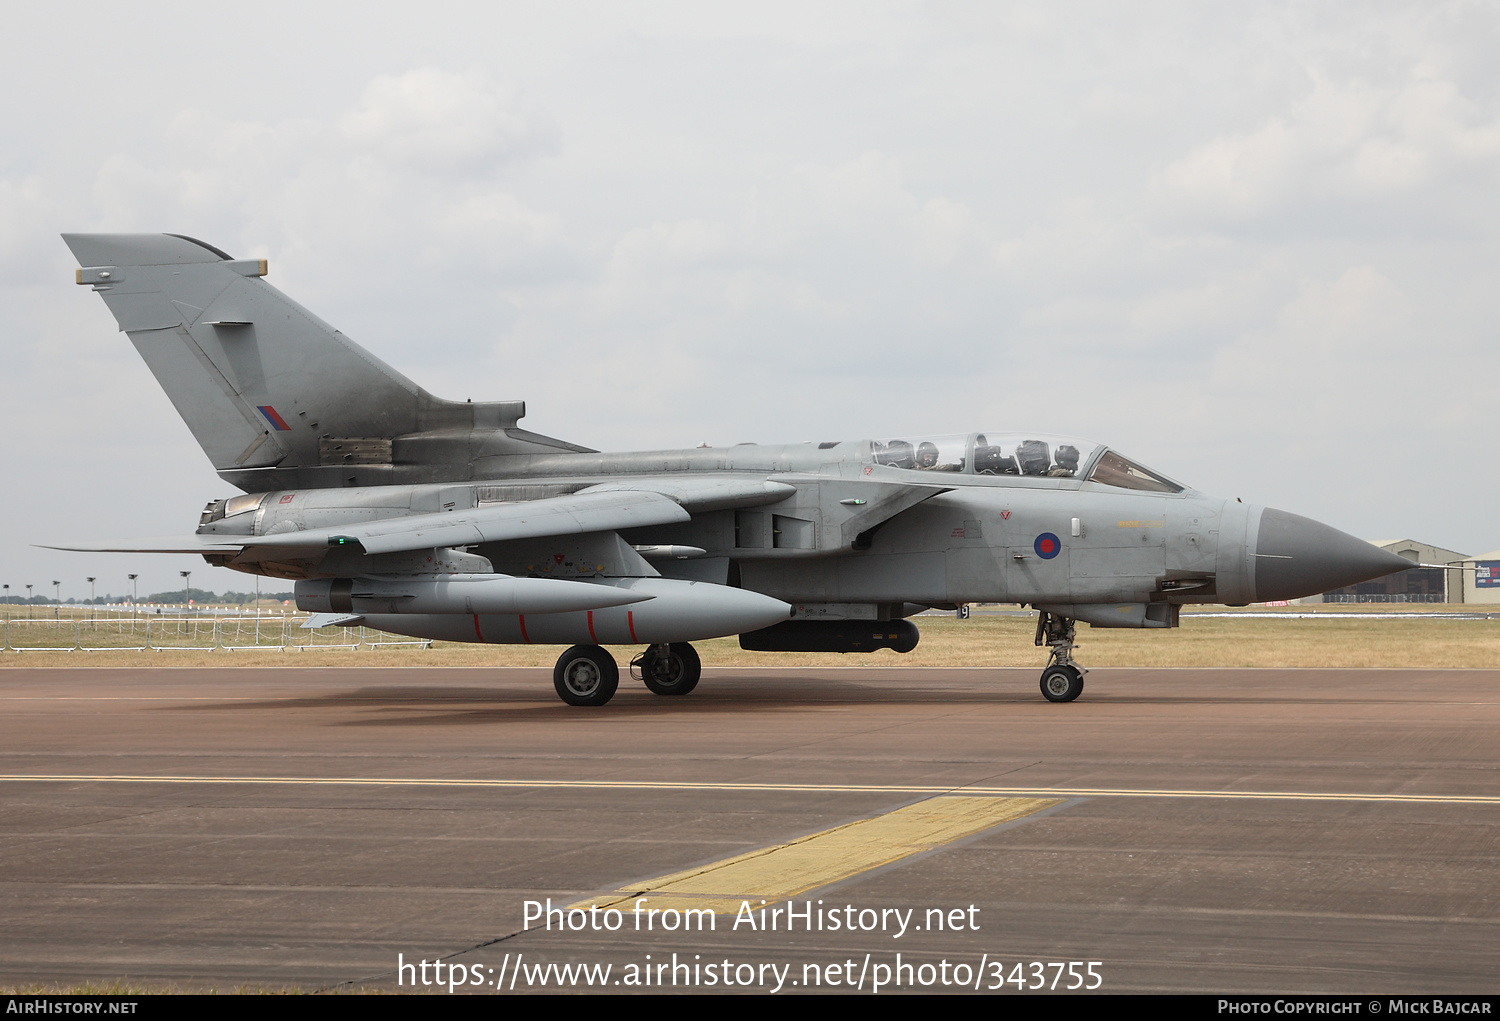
x=201 y=633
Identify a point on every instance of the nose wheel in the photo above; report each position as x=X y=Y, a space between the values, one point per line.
x=1062 y=681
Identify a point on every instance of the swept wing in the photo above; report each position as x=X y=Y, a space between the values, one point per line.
x=564 y=515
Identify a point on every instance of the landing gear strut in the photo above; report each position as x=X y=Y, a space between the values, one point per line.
x=1062 y=681
x=586 y=675
x=668 y=669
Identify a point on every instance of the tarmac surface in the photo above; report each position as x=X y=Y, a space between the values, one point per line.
x=1276 y=831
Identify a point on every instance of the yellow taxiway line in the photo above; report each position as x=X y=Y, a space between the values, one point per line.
x=784 y=870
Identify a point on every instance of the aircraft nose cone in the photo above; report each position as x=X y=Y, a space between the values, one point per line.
x=1297 y=556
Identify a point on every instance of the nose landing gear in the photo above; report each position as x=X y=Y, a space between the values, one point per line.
x=1062 y=681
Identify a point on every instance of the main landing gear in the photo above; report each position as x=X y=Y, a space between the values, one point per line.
x=1062 y=681
x=587 y=675
x=668 y=669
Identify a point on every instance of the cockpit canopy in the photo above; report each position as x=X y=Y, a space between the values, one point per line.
x=1020 y=454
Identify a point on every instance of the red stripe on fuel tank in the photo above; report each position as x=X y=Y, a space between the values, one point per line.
x=591 y=628
x=524 y=636
x=630 y=621
x=477 y=632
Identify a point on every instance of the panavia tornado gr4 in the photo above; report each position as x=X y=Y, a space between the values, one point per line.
x=446 y=520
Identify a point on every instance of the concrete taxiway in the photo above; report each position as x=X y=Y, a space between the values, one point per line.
x=1189 y=830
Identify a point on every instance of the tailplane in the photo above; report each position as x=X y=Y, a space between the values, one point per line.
x=277 y=398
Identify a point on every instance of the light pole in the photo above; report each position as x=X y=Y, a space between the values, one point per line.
x=134 y=598
x=56 y=599
x=187 y=589
x=28 y=602
x=91 y=599
x=7 y=602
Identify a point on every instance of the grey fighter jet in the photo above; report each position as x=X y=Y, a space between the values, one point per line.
x=447 y=520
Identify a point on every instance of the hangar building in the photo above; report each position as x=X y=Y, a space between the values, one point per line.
x=1418 y=585
x=1482 y=585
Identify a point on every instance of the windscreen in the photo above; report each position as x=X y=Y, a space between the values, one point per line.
x=1114 y=470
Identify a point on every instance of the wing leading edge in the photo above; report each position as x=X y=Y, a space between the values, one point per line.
x=576 y=514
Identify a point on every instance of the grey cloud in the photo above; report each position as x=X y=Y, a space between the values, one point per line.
x=442 y=122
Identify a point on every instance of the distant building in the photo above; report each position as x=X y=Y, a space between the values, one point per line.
x=1482 y=585
x=1418 y=585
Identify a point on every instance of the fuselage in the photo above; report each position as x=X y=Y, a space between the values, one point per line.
x=872 y=529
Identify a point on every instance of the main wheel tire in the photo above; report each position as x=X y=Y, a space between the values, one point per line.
x=680 y=673
x=586 y=675
x=1062 y=683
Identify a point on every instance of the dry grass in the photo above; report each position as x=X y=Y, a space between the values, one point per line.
x=1335 y=638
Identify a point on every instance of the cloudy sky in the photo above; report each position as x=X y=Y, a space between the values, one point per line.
x=1253 y=245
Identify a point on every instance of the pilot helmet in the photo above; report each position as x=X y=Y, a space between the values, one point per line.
x=1033 y=457
x=899 y=455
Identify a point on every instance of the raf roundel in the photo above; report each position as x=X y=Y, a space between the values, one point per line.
x=1047 y=545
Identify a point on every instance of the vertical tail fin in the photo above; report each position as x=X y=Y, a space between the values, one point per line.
x=275 y=396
